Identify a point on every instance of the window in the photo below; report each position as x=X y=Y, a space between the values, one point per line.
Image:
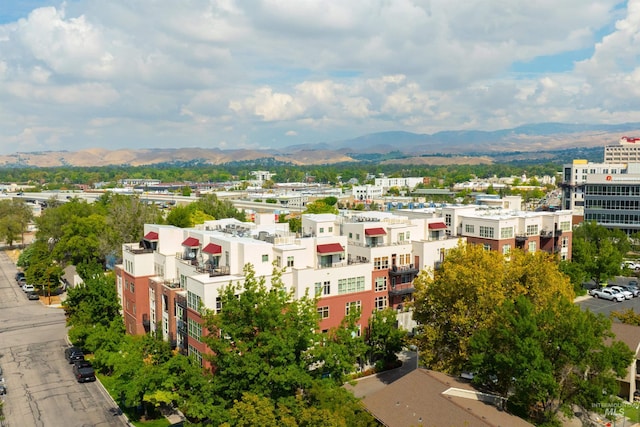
x=407 y=235
x=486 y=247
x=565 y=225
x=218 y=304
x=278 y=260
x=565 y=242
x=323 y=312
x=357 y=236
x=447 y=220
x=532 y=230
x=350 y=285
x=532 y=246
x=323 y=288
x=506 y=232
x=381 y=284
x=380 y=303
x=330 y=229
x=321 y=229
x=353 y=305
x=381 y=263
x=486 y=231
x=506 y=250
x=469 y=228
x=265 y=258
x=289 y=261
x=351 y=235
x=194 y=329
x=401 y=237
x=193 y=352
x=193 y=301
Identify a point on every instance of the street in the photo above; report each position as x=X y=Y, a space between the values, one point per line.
x=41 y=389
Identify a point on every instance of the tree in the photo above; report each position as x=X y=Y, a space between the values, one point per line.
x=629 y=317
x=384 y=339
x=260 y=339
x=326 y=205
x=15 y=216
x=543 y=360
x=180 y=216
x=597 y=252
x=463 y=295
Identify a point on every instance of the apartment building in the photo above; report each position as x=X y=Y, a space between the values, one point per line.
x=355 y=261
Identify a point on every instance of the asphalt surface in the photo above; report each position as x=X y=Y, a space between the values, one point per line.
x=41 y=389
x=597 y=305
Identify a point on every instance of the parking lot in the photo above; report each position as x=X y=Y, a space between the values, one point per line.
x=606 y=307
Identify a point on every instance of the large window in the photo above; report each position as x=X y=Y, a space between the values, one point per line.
x=506 y=232
x=323 y=312
x=323 y=288
x=532 y=246
x=486 y=231
x=381 y=284
x=380 y=303
x=565 y=225
x=353 y=305
x=532 y=230
x=193 y=301
x=289 y=261
x=469 y=228
x=193 y=352
x=194 y=329
x=350 y=285
x=381 y=263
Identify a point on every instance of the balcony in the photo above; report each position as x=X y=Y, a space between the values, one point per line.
x=137 y=250
x=401 y=291
x=222 y=270
x=521 y=238
x=397 y=270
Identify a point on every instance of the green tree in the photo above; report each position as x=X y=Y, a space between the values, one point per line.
x=463 y=294
x=597 y=252
x=628 y=316
x=15 y=216
x=384 y=339
x=180 y=216
x=322 y=206
x=544 y=360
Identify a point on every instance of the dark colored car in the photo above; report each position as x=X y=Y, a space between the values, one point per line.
x=72 y=354
x=19 y=275
x=3 y=389
x=32 y=296
x=82 y=364
x=84 y=375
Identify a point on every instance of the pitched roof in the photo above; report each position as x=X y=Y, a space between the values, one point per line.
x=424 y=397
x=212 y=249
x=151 y=236
x=330 y=248
x=437 y=226
x=378 y=231
x=191 y=242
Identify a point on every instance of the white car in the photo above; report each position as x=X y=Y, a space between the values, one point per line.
x=631 y=265
x=28 y=288
x=627 y=294
x=606 y=293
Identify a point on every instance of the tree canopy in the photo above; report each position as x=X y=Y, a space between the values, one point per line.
x=542 y=360
x=463 y=294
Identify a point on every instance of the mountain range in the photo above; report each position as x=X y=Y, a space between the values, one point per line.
x=535 y=141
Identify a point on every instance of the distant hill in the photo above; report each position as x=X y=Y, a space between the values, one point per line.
x=543 y=141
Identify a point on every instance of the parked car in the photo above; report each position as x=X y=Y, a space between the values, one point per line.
x=627 y=294
x=21 y=281
x=82 y=364
x=631 y=265
x=606 y=293
x=3 y=389
x=32 y=296
x=72 y=354
x=28 y=288
x=85 y=374
x=635 y=291
x=19 y=275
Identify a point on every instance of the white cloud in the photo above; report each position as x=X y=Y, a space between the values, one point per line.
x=160 y=73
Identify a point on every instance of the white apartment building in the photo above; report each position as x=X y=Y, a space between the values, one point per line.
x=387 y=183
x=366 y=193
x=627 y=151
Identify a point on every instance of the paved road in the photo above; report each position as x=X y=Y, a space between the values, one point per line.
x=42 y=391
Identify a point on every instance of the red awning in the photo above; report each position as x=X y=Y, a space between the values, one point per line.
x=212 y=249
x=375 y=232
x=437 y=226
x=191 y=242
x=151 y=236
x=330 y=248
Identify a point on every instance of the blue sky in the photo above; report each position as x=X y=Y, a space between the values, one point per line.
x=226 y=74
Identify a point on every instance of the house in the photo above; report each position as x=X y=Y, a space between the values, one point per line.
x=630 y=384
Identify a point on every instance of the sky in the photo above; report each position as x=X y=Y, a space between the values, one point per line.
x=274 y=73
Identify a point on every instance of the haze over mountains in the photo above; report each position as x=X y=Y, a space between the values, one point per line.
x=410 y=148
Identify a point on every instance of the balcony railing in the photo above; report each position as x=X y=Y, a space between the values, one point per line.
x=138 y=250
x=403 y=269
